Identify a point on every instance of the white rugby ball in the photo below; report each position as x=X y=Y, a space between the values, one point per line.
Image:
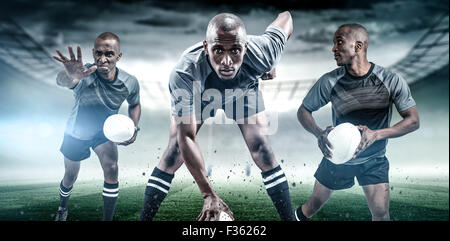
x=223 y=216
x=118 y=128
x=345 y=138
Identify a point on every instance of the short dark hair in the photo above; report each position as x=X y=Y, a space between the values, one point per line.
x=359 y=30
x=109 y=35
x=226 y=22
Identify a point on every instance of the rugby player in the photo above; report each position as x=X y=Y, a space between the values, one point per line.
x=228 y=60
x=99 y=90
x=361 y=93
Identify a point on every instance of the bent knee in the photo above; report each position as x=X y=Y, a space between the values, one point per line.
x=70 y=177
x=111 y=168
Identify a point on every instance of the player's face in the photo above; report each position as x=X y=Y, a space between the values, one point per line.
x=226 y=52
x=344 y=47
x=106 y=54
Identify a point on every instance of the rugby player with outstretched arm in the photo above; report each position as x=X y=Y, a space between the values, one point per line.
x=99 y=90
x=228 y=60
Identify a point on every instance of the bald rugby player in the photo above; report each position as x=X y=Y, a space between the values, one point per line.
x=99 y=90
x=361 y=93
x=228 y=61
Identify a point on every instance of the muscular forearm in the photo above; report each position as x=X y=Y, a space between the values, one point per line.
x=306 y=119
x=62 y=79
x=403 y=127
x=190 y=152
x=134 y=112
x=409 y=123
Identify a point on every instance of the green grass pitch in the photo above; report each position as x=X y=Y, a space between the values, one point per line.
x=248 y=200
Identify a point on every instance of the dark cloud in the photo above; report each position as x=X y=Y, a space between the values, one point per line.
x=239 y=6
x=162 y=20
x=317 y=35
x=162 y=30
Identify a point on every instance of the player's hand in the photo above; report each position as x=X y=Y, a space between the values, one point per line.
x=74 y=66
x=269 y=75
x=132 y=140
x=324 y=143
x=368 y=137
x=212 y=207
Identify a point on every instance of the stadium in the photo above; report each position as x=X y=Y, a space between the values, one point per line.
x=409 y=37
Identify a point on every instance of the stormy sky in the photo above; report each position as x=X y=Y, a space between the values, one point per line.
x=155 y=33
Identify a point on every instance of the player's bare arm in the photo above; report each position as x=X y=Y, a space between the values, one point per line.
x=74 y=70
x=190 y=151
x=307 y=120
x=134 y=112
x=409 y=123
x=284 y=21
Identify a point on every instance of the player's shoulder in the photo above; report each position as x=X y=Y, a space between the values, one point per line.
x=192 y=62
x=126 y=77
x=333 y=76
x=385 y=74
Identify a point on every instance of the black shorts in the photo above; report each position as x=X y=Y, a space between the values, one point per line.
x=77 y=150
x=336 y=177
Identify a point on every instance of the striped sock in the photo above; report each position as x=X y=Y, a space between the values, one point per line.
x=64 y=195
x=157 y=188
x=299 y=216
x=110 y=194
x=277 y=187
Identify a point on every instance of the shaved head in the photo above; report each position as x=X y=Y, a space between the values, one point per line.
x=109 y=36
x=228 y=23
x=106 y=53
x=357 y=32
x=225 y=44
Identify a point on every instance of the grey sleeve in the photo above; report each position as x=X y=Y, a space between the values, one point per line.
x=319 y=94
x=133 y=97
x=400 y=93
x=78 y=87
x=264 y=51
x=181 y=93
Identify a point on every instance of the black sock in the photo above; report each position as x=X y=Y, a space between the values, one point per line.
x=299 y=215
x=64 y=195
x=157 y=188
x=110 y=194
x=278 y=190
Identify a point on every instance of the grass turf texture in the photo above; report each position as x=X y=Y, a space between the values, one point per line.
x=248 y=200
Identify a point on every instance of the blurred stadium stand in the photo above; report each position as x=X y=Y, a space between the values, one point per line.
x=21 y=52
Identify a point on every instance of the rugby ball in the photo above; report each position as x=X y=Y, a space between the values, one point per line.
x=223 y=216
x=118 y=128
x=345 y=138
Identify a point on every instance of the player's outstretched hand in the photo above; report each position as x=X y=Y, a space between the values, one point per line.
x=324 y=143
x=368 y=137
x=212 y=207
x=74 y=66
